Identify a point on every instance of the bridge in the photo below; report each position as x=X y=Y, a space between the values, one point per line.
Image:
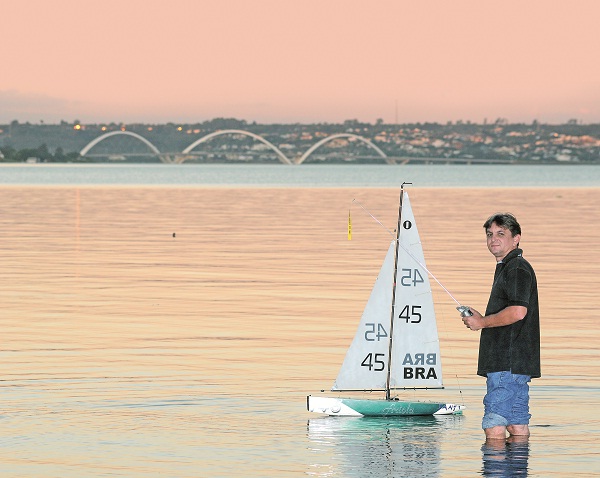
x=188 y=152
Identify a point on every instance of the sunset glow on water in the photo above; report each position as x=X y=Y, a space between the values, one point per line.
x=176 y=332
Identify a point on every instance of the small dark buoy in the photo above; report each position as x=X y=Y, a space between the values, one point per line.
x=173 y=234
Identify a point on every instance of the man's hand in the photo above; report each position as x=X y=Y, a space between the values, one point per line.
x=475 y=321
x=507 y=316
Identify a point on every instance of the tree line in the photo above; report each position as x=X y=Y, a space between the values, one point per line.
x=41 y=153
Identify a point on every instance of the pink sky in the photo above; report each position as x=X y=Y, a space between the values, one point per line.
x=299 y=61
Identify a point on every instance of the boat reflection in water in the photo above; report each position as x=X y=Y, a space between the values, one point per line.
x=378 y=446
x=506 y=458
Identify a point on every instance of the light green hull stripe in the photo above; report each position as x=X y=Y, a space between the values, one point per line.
x=388 y=408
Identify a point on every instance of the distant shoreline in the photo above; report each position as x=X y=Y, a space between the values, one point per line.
x=222 y=141
x=399 y=161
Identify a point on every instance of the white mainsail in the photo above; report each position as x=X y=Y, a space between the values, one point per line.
x=415 y=361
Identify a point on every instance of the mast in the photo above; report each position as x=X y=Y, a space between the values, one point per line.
x=392 y=312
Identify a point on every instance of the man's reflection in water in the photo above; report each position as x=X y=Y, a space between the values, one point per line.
x=506 y=458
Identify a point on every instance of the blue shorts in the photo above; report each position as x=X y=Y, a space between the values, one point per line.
x=507 y=400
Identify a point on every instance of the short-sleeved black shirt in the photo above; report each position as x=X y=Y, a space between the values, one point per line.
x=514 y=347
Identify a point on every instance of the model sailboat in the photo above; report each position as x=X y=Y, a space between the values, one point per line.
x=396 y=345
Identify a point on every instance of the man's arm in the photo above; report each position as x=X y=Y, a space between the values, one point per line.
x=507 y=316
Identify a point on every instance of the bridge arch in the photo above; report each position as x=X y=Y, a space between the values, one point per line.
x=317 y=145
x=282 y=157
x=94 y=142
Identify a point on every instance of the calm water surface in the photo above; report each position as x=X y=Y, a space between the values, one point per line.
x=164 y=331
x=306 y=175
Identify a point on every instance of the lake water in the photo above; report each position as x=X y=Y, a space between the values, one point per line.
x=305 y=175
x=174 y=327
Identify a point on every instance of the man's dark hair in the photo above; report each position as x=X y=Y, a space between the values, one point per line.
x=505 y=220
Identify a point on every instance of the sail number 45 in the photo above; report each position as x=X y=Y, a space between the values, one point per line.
x=411 y=314
x=375 y=332
x=411 y=277
x=374 y=362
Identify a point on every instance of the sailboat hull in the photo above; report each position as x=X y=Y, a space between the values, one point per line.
x=350 y=407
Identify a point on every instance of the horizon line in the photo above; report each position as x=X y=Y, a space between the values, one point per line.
x=497 y=122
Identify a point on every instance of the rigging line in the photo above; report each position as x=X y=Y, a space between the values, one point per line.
x=460 y=390
x=408 y=252
x=442 y=322
x=429 y=272
x=374 y=218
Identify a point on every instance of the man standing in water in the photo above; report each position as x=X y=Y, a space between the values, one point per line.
x=509 y=346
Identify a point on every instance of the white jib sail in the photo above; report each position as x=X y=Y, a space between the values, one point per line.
x=366 y=362
x=416 y=360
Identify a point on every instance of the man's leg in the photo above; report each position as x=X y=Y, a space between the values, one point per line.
x=495 y=433
x=519 y=423
x=518 y=430
x=495 y=402
x=506 y=405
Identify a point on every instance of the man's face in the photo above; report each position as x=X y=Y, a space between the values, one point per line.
x=500 y=241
